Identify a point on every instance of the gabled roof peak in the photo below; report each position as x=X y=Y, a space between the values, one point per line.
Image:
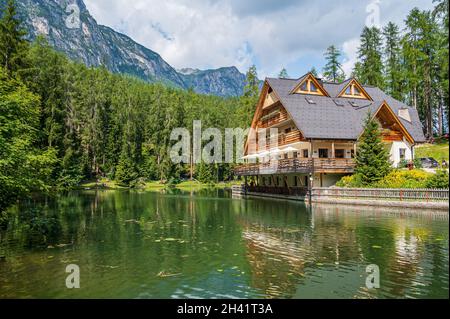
x=305 y=84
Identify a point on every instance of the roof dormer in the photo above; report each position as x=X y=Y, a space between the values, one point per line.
x=308 y=84
x=354 y=90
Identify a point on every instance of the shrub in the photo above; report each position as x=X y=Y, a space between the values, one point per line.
x=438 y=180
x=404 y=179
x=403 y=164
x=401 y=179
x=173 y=181
x=418 y=163
x=350 y=181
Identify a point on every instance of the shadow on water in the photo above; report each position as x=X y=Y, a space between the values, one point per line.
x=189 y=244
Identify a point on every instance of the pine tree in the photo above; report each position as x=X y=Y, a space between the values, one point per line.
x=12 y=44
x=206 y=173
x=372 y=159
x=249 y=98
x=441 y=15
x=369 y=68
x=333 y=69
x=126 y=171
x=251 y=89
x=420 y=49
x=314 y=72
x=283 y=74
x=393 y=69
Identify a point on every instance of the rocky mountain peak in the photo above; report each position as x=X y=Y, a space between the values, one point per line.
x=69 y=28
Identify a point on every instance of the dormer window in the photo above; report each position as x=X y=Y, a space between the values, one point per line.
x=354 y=90
x=348 y=91
x=309 y=85
x=304 y=86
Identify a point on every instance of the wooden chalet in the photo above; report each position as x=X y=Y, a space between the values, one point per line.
x=306 y=131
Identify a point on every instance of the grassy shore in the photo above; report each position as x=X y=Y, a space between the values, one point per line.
x=156 y=185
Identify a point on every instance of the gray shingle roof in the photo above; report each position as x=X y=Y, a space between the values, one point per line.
x=327 y=119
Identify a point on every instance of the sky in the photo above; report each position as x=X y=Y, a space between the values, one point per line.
x=272 y=34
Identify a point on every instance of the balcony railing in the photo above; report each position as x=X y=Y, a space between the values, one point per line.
x=301 y=166
x=283 y=140
x=391 y=136
x=325 y=165
x=278 y=118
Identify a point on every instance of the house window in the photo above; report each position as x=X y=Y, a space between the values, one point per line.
x=309 y=86
x=295 y=155
x=306 y=153
x=323 y=153
x=402 y=154
x=348 y=91
x=304 y=86
x=339 y=153
x=295 y=181
x=286 y=156
x=354 y=90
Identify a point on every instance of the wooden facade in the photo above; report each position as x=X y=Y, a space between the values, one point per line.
x=289 y=155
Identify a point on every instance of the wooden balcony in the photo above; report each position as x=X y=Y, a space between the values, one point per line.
x=290 y=138
x=391 y=136
x=283 y=140
x=275 y=119
x=299 y=166
x=334 y=165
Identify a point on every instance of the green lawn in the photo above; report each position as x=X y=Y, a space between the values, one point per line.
x=103 y=183
x=437 y=151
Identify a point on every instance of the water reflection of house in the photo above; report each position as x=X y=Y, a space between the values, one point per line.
x=280 y=257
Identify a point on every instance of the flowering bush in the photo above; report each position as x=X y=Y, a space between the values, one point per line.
x=401 y=179
x=404 y=179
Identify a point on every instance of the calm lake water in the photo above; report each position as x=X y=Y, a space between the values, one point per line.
x=208 y=245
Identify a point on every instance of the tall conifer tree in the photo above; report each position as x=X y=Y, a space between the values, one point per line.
x=333 y=69
x=372 y=159
x=369 y=68
x=12 y=44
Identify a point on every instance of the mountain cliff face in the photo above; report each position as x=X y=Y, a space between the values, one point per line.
x=86 y=41
x=223 y=81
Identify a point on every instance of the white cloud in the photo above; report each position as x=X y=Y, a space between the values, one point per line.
x=271 y=33
x=350 y=50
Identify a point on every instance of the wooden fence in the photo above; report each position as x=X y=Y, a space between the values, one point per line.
x=427 y=195
x=423 y=195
